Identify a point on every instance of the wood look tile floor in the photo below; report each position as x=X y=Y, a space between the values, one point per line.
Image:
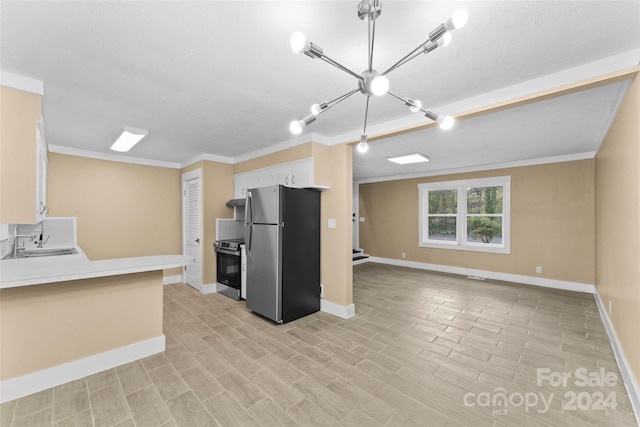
x=424 y=349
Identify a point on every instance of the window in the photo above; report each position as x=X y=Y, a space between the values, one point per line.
x=468 y=215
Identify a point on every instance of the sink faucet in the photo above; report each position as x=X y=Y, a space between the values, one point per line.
x=15 y=249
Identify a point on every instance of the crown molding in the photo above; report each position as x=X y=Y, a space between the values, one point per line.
x=493 y=166
x=111 y=157
x=19 y=82
x=207 y=157
x=300 y=140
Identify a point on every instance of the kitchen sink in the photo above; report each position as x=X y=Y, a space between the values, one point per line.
x=36 y=253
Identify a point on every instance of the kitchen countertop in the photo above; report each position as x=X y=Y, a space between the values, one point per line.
x=37 y=271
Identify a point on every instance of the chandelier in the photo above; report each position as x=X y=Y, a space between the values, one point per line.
x=370 y=81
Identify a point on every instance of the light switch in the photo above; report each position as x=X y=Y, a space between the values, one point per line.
x=331 y=223
x=361 y=219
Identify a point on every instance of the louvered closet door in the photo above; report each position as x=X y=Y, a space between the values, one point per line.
x=192 y=231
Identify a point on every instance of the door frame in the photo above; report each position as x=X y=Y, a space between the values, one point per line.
x=185 y=177
x=355 y=237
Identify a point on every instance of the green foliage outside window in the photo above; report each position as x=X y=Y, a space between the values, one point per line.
x=443 y=202
x=484 y=200
x=483 y=228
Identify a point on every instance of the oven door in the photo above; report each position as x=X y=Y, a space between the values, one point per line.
x=229 y=273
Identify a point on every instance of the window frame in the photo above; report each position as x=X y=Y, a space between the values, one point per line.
x=462 y=187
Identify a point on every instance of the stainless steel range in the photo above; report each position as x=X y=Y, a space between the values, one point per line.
x=231 y=268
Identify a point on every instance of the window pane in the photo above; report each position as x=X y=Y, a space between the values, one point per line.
x=443 y=201
x=484 y=229
x=442 y=228
x=484 y=200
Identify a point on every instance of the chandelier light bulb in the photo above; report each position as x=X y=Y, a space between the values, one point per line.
x=296 y=127
x=417 y=105
x=458 y=20
x=315 y=109
x=445 y=122
x=379 y=85
x=445 y=40
x=298 y=42
x=363 y=146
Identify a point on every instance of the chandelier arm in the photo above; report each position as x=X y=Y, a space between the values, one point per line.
x=406 y=58
x=404 y=101
x=372 y=37
x=403 y=61
x=341 y=98
x=366 y=114
x=328 y=60
x=337 y=100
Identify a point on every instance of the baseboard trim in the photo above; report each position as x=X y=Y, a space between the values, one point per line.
x=34 y=382
x=170 y=280
x=343 y=311
x=361 y=261
x=493 y=275
x=627 y=375
x=205 y=289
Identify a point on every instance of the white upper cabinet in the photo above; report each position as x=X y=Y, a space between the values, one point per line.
x=239 y=187
x=41 y=170
x=301 y=173
x=23 y=165
x=294 y=174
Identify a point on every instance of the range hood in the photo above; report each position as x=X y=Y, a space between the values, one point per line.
x=236 y=202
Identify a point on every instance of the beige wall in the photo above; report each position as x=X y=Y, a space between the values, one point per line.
x=217 y=190
x=552 y=222
x=332 y=168
x=618 y=225
x=19 y=112
x=47 y=325
x=123 y=210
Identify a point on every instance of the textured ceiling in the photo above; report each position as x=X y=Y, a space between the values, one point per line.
x=219 y=78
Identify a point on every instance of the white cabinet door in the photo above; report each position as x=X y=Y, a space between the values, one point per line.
x=239 y=187
x=252 y=180
x=302 y=173
x=281 y=176
x=41 y=164
x=265 y=178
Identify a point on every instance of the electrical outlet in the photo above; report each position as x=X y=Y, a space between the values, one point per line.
x=539 y=270
x=404 y=254
x=321 y=290
x=609 y=307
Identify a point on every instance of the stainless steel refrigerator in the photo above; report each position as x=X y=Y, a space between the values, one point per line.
x=282 y=239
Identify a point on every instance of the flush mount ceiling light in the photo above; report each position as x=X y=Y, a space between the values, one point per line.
x=409 y=158
x=370 y=81
x=127 y=138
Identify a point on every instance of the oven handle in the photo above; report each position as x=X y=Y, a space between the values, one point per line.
x=228 y=252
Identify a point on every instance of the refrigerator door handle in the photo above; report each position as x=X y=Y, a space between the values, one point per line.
x=250 y=227
x=248 y=217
